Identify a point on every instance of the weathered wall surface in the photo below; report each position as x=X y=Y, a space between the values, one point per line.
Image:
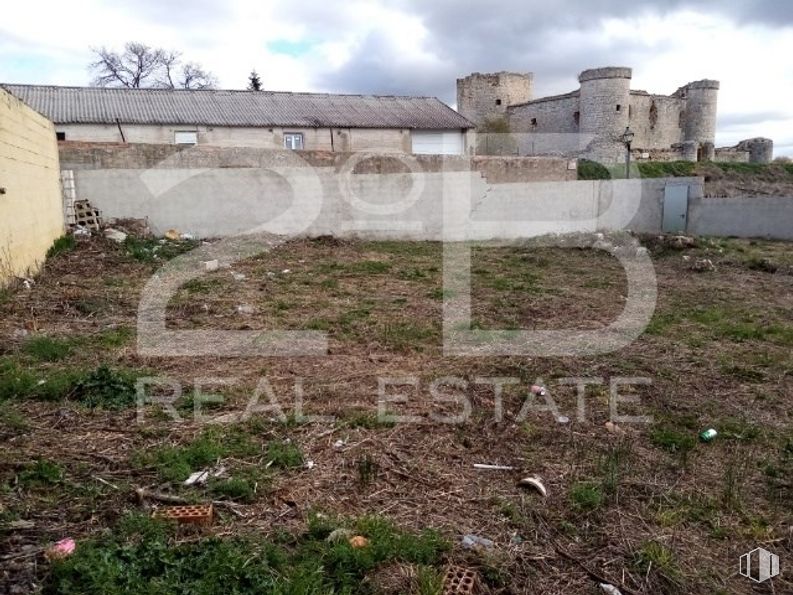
x=549 y=114
x=656 y=120
x=758 y=217
x=343 y=139
x=31 y=210
x=481 y=97
x=81 y=156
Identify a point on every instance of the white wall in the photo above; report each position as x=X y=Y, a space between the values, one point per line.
x=321 y=200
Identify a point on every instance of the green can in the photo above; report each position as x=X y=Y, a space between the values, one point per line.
x=708 y=435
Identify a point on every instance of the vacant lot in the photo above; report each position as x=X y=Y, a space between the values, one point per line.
x=646 y=507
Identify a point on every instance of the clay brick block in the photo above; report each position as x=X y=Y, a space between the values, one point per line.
x=199 y=514
x=460 y=580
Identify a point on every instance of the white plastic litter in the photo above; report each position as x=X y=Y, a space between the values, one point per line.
x=493 y=467
x=535 y=483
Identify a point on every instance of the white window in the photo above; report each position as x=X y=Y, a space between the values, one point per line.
x=293 y=140
x=185 y=137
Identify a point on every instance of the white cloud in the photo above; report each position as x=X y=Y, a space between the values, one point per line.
x=380 y=46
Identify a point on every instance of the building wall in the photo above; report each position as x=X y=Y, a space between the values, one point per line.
x=605 y=101
x=344 y=139
x=31 y=208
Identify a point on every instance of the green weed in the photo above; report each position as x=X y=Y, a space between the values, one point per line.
x=106 y=388
x=657 y=559
x=62 y=245
x=586 y=496
x=284 y=454
x=42 y=472
x=140 y=557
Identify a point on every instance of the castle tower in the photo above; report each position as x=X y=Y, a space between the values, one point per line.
x=700 y=114
x=605 y=101
x=484 y=97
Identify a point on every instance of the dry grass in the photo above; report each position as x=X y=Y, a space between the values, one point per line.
x=648 y=509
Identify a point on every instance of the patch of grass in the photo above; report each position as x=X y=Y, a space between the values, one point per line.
x=42 y=472
x=738 y=429
x=176 y=463
x=674 y=440
x=284 y=454
x=62 y=245
x=154 y=250
x=666 y=169
x=17 y=382
x=239 y=489
x=406 y=336
x=614 y=465
x=688 y=508
x=47 y=349
x=199 y=286
x=139 y=556
x=113 y=337
x=657 y=559
x=12 y=421
x=429 y=581
x=586 y=496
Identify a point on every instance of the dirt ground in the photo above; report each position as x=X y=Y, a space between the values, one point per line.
x=646 y=507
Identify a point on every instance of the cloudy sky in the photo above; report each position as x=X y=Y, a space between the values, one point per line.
x=421 y=46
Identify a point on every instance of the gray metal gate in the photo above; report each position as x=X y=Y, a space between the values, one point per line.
x=675 y=208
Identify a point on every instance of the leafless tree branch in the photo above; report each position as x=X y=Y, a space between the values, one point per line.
x=140 y=65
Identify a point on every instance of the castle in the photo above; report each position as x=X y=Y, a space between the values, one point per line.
x=677 y=126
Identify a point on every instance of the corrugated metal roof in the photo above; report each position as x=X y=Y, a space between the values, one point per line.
x=92 y=105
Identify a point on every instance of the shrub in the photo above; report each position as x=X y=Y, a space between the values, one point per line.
x=592 y=170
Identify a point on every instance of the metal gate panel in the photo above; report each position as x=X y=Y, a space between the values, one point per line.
x=675 y=216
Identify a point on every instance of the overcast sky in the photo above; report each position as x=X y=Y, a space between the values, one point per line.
x=422 y=46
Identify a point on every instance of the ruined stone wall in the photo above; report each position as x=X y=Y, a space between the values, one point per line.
x=656 y=120
x=483 y=97
x=80 y=156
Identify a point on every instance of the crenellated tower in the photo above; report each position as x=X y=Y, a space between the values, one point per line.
x=484 y=97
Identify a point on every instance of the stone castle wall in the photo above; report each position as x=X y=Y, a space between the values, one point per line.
x=484 y=97
x=600 y=110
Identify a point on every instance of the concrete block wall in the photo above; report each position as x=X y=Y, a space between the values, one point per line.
x=31 y=208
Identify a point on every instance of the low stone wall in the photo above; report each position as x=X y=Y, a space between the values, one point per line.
x=87 y=156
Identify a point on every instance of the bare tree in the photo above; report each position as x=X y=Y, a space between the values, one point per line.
x=140 y=65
